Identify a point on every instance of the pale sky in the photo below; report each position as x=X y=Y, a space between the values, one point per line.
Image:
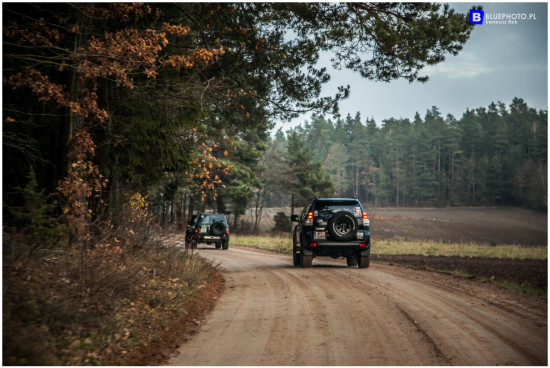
x=498 y=62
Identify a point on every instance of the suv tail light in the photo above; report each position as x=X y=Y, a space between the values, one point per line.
x=366 y=221
x=196 y=231
x=309 y=220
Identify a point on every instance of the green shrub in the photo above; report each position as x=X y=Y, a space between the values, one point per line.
x=282 y=222
x=34 y=220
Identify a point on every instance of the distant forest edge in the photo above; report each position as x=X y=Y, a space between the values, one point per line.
x=490 y=156
x=494 y=156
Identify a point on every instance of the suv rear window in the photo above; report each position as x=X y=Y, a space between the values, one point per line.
x=325 y=209
x=208 y=219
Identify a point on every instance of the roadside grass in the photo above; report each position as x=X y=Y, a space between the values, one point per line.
x=431 y=248
x=274 y=243
x=525 y=288
x=493 y=280
x=283 y=244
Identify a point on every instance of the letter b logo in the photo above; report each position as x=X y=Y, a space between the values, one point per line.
x=476 y=16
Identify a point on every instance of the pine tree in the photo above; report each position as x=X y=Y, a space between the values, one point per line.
x=36 y=217
x=305 y=179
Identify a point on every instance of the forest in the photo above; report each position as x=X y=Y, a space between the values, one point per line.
x=493 y=156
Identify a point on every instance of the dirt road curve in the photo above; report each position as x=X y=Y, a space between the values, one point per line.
x=274 y=314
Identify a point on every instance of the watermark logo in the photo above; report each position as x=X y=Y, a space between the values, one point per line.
x=479 y=17
x=476 y=16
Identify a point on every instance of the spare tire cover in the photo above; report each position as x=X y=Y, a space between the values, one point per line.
x=217 y=228
x=342 y=226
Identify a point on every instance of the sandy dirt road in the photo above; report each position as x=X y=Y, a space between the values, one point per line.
x=272 y=313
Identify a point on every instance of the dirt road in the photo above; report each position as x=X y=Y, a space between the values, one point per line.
x=274 y=314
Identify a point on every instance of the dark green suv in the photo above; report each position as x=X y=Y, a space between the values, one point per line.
x=334 y=227
x=207 y=228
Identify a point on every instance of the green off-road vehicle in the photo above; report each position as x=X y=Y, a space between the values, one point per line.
x=207 y=228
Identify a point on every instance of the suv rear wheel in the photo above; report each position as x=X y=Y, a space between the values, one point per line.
x=296 y=260
x=305 y=261
x=363 y=261
x=352 y=261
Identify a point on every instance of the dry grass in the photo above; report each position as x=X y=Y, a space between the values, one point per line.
x=277 y=243
x=430 y=248
x=283 y=244
x=49 y=318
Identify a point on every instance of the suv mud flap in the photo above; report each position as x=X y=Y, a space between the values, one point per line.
x=366 y=252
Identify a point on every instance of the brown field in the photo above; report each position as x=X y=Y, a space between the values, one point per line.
x=461 y=225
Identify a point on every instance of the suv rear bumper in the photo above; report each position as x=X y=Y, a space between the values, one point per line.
x=336 y=248
x=212 y=238
x=365 y=239
x=329 y=244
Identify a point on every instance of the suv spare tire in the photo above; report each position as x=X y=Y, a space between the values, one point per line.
x=342 y=226
x=217 y=228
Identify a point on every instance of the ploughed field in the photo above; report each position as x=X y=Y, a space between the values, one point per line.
x=492 y=226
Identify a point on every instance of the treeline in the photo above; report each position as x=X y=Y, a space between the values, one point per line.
x=490 y=156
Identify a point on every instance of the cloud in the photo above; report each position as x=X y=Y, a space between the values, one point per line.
x=465 y=65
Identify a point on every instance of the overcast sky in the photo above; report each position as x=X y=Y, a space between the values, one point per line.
x=499 y=62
